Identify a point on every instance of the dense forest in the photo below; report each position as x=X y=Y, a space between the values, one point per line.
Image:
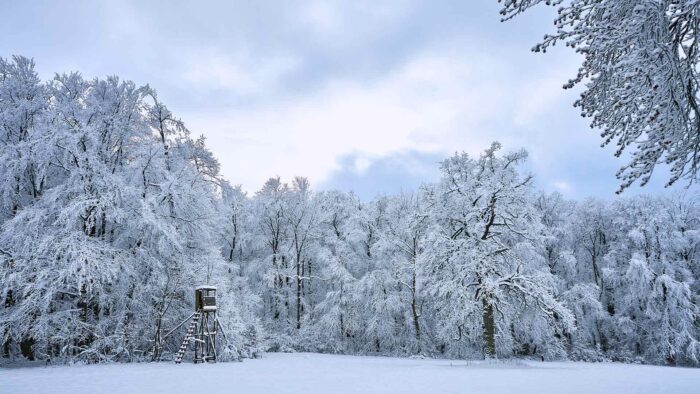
x=111 y=212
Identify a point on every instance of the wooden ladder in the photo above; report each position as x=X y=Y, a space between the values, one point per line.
x=188 y=337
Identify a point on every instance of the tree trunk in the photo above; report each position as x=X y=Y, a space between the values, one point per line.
x=416 y=323
x=489 y=327
x=277 y=285
x=26 y=346
x=414 y=306
x=299 y=263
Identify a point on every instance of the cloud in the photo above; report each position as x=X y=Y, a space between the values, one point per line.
x=562 y=186
x=396 y=173
x=361 y=165
x=240 y=73
x=337 y=91
x=439 y=101
x=435 y=103
x=332 y=20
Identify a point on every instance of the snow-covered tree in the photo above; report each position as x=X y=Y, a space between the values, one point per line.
x=396 y=283
x=654 y=306
x=640 y=70
x=23 y=168
x=482 y=266
x=109 y=223
x=340 y=260
x=111 y=213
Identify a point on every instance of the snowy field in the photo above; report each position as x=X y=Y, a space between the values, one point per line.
x=316 y=373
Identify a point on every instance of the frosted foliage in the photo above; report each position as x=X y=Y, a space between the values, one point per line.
x=111 y=213
x=640 y=77
x=109 y=207
x=484 y=256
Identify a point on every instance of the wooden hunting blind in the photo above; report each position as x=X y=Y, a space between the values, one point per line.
x=202 y=329
x=205 y=298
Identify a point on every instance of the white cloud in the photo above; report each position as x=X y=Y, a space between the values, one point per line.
x=562 y=186
x=295 y=88
x=352 y=21
x=435 y=103
x=361 y=164
x=438 y=102
x=240 y=73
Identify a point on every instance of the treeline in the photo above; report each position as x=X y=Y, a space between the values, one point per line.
x=109 y=212
x=477 y=264
x=112 y=213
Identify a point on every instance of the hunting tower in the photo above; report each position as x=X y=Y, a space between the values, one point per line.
x=202 y=328
x=205 y=339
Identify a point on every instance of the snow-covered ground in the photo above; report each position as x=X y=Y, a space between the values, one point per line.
x=316 y=373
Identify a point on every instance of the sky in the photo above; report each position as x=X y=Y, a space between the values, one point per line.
x=355 y=95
